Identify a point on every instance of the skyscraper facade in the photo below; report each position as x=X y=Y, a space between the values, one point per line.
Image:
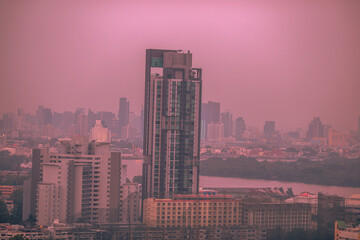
x=269 y=129
x=123 y=113
x=227 y=120
x=210 y=113
x=81 y=182
x=240 y=128
x=316 y=129
x=171 y=124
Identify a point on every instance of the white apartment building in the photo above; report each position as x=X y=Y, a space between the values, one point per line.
x=80 y=183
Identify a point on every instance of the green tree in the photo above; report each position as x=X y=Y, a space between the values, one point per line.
x=18 y=237
x=10 y=162
x=31 y=220
x=137 y=179
x=4 y=214
x=17 y=198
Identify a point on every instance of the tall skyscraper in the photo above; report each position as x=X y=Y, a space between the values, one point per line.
x=227 y=120
x=82 y=122
x=44 y=116
x=210 y=113
x=171 y=124
x=240 y=128
x=123 y=113
x=269 y=129
x=316 y=129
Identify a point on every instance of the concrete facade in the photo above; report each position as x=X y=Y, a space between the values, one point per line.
x=81 y=183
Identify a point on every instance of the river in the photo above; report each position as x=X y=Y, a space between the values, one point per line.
x=134 y=168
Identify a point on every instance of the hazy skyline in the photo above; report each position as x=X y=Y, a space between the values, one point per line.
x=263 y=60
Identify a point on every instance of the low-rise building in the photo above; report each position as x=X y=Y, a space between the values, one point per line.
x=287 y=216
x=192 y=211
x=345 y=232
x=352 y=208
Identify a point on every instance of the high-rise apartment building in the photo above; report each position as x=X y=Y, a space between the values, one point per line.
x=240 y=128
x=123 y=114
x=81 y=182
x=171 y=124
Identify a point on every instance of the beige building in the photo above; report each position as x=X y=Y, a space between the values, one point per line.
x=352 y=207
x=336 y=138
x=287 y=216
x=99 y=133
x=312 y=199
x=224 y=211
x=193 y=211
x=344 y=232
x=80 y=183
x=215 y=131
x=131 y=202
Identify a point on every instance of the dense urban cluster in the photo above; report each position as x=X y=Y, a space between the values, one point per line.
x=63 y=175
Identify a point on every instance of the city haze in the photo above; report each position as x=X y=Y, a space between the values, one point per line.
x=277 y=60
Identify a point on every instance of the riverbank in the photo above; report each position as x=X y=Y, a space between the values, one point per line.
x=224 y=182
x=331 y=172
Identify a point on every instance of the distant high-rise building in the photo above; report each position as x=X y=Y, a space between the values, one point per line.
x=123 y=113
x=240 y=128
x=316 y=129
x=57 y=119
x=48 y=131
x=91 y=118
x=210 y=112
x=142 y=123
x=9 y=121
x=82 y=122
x=171 y=124
x=215 y=131
x=269 y=129
x=99 y=133
x=47 y=116
x=39 y=116
x=226 y=119
x=106 y=118
x=43 y=116
x=68 y=120
x=73 y=130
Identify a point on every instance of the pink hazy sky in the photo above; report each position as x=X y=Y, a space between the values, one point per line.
x=286 y=61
